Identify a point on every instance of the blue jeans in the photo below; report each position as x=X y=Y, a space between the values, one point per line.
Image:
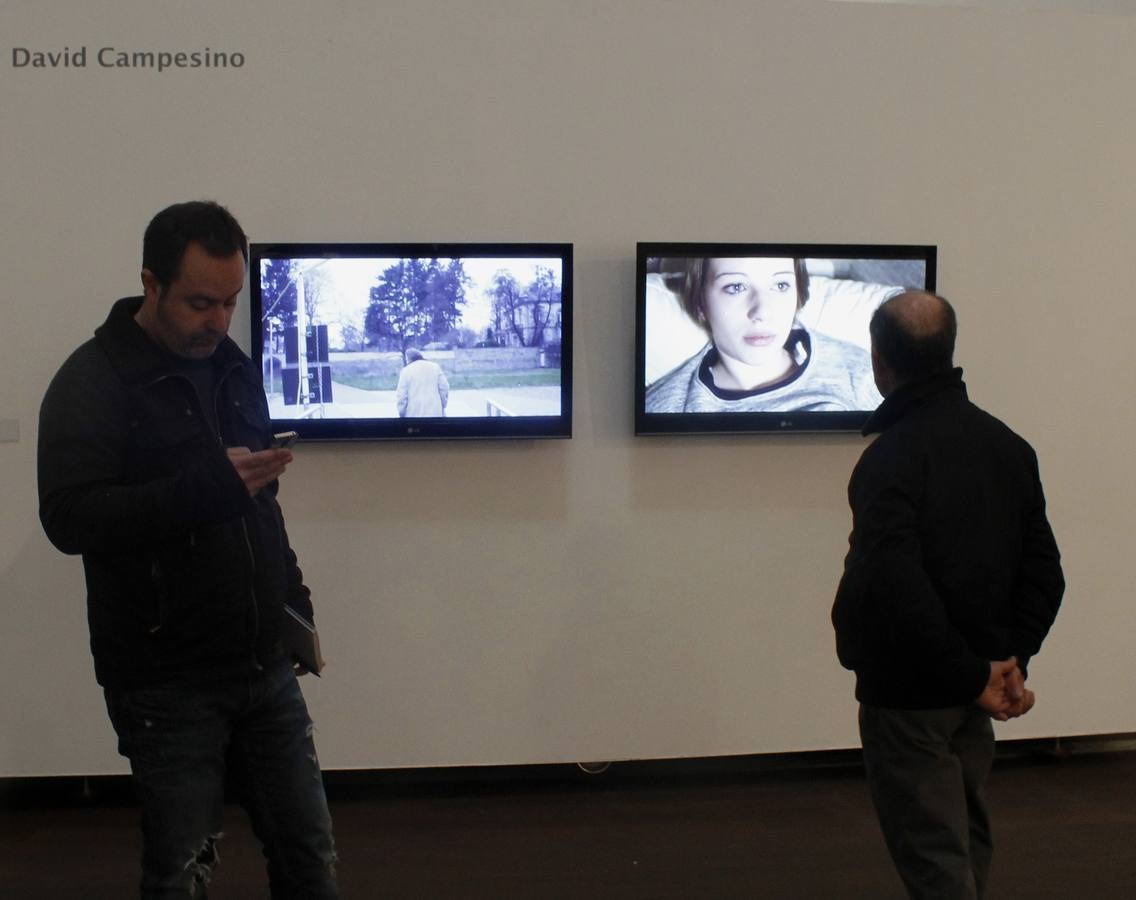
x=182 y=737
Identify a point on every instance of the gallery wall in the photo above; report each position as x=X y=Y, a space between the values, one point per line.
x=606 y=597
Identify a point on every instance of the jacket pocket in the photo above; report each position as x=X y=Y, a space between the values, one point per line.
x=249 y=421
x=164 y=442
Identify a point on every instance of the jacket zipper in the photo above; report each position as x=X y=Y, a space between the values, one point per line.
x=255 y=609
x=221 y=378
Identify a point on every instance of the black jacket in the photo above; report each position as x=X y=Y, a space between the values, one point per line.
x=951 y=560
x=186 y=574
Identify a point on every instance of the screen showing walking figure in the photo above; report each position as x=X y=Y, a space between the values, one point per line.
x=370 y=341
x=763 y=337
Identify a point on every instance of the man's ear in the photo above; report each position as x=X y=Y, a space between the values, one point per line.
x=150 y=287
x=881 y=373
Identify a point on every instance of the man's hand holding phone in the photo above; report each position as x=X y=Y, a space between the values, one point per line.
x=260 y=469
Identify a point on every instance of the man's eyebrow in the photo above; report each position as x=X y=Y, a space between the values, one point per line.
x=209 y=298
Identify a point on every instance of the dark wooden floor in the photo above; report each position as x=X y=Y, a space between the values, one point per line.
x=762 y=827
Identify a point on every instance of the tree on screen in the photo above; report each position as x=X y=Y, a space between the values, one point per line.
x=525 y=312
x=281 y=283
x=278 y=294
x=507 y=297
x=416 y=301
x=352 y=335
x=544 y=297
x=315 y=287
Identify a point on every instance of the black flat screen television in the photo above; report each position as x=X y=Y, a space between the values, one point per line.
x=763 y=337
x=414 y=341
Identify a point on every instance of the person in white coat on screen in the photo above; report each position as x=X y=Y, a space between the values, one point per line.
x=423 y=389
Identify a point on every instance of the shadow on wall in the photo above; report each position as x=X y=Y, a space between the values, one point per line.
x=50 y=693
x=506 y=481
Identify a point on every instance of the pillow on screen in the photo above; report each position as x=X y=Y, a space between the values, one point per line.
x=671 y=338
x=842 y=309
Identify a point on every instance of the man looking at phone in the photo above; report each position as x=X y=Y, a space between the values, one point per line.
x=155 y=465
x=951 y=582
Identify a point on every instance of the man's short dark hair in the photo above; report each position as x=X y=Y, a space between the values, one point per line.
x=912 y=354
x=175 y=227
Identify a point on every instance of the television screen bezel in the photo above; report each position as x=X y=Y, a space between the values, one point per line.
x=773 y=422
x=422 y=428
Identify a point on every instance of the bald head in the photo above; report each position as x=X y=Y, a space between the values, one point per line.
x=913 y=337
x=920 y=314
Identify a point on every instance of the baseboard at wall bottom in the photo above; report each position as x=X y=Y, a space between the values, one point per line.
x=113 y=790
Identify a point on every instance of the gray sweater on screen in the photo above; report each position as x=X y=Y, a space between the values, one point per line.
x=833 y=376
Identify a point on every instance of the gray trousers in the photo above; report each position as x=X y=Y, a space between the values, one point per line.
x=926 y=769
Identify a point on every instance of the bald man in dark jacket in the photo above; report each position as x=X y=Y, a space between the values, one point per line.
x=951 y=583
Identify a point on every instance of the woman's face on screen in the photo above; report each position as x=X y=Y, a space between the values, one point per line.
x=751 y=305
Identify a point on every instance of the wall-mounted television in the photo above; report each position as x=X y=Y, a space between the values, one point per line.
x=765 y=337
x=410 y=341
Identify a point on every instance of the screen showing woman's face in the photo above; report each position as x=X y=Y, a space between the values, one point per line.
x=751 y=305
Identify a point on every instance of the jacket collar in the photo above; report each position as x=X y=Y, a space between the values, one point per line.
x=137 y=358
x=903 y=399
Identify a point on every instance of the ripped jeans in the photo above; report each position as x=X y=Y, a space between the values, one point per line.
x=181 y=738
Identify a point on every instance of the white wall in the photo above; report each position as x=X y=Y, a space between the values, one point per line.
x=606 y=597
